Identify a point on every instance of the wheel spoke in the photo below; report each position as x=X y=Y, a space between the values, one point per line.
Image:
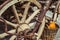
x=13 y=37
x=5 y=34
x=16 y=14
x=32 y=16
x=12 y=24
x=25 y=12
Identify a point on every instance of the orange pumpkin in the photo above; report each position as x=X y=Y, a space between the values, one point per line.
x=52 y=25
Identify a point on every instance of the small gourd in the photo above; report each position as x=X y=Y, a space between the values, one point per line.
x=52 y=25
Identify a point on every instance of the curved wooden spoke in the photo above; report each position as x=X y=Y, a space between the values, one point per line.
x=5 y=34
x=16 y=14
x=25 y=12
x=32 y=16
x=13 y=37
x=12 y=24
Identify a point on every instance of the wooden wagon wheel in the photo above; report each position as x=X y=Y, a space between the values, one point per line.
x=22 y=24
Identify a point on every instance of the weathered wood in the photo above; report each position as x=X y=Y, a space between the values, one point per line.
x=7 y=6
x=14 y=30
x=5 y=34
x=56 y=11
x=59 y=9
x=12 y=24
x=32 y=16
x=42 y=14
x=13 y=37
x=16 y=14
x=25 y=12
x=40 y=31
